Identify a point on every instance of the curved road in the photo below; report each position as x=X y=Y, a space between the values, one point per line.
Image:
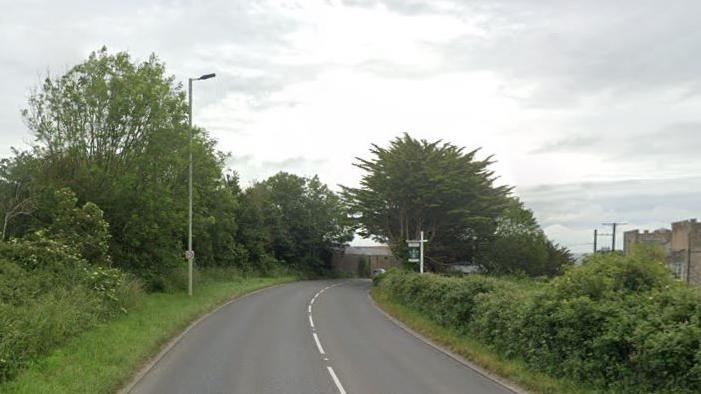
x=280 y=341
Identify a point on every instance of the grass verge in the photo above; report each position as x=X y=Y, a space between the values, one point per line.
x=103 y=359
x=458 y=343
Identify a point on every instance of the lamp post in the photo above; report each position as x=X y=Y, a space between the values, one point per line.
x=190 y=254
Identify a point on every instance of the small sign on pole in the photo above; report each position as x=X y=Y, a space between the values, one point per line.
x=416 y=251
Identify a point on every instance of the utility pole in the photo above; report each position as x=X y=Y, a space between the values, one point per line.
x=613 y=233
x=421 y=252
x=595 y=238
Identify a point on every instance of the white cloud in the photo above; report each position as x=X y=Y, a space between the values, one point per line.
x=584 y=95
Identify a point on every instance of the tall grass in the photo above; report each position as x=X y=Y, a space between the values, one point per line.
x=105 y=357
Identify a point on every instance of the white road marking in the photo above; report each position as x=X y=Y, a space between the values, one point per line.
x=335 y=380
x=318 y=344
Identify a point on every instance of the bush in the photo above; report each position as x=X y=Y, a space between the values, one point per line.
x=617 y=323
x=49 y=294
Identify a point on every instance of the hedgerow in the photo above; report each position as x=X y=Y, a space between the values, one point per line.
x=614 y=324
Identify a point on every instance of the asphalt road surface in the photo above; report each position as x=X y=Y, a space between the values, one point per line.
x=308 y=337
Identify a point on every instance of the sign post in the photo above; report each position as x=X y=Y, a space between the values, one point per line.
x=416 y=251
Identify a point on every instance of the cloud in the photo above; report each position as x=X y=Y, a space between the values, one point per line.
x=674 y=144
x=251 y=169
x=569 y=212
x=598 y=100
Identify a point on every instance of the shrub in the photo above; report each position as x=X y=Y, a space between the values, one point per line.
x=617 y=323
x=48 y=294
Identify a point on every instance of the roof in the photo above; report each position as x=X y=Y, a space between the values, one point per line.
x=382 y=250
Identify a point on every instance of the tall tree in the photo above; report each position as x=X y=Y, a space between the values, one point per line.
x=304 y=220
x=115 y=131
x=436 y=187
x=18 y=198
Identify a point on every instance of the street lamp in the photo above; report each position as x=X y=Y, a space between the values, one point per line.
x=190 y=254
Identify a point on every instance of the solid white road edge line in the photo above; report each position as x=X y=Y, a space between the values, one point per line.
x=335 y=380
x=318 y=344
x=311 y=322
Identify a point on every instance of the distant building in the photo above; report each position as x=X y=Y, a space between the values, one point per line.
x=660 y=237
x=682 y=246
x=349 y=260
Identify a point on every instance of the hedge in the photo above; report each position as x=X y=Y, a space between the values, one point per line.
x=617 y=323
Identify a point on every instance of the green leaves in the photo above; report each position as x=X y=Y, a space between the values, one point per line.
x=296 y=220
x=616 y=324
x=432 y=186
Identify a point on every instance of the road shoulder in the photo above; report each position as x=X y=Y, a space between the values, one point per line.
x=383 y=309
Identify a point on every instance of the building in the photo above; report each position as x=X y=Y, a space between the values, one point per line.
x=351 y=259
x=660 y=237
x=682 y=246
x=685 y=257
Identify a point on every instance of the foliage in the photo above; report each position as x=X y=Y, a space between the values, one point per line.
x=519 y=246
x=84 y=229
x=363 y=269
x=300 y=219
x=433 y=186
x=17 y=200
x=48 y=294
x=103 y=359
x=617 y=323
x=438 y=187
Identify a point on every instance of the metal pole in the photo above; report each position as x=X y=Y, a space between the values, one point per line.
x=421 y=258
x=190 y=255
x=595 y=237
x=613 y=238
x=688 y=256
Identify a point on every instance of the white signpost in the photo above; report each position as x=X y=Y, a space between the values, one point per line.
x=416 y=251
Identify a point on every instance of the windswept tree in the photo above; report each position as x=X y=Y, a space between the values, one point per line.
x=437 y=187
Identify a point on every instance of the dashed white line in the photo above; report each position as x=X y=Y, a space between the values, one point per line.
x=335 y=380
x=318 y=344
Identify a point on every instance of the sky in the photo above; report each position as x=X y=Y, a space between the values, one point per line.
x=590 y=108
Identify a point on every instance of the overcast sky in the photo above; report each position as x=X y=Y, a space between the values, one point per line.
x=592 y=108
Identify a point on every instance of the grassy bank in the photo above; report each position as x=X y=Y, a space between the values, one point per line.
x=103 y=359
x=473 y=350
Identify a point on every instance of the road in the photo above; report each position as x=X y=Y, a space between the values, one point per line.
x=308 y=337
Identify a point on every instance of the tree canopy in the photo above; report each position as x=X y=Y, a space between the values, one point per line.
x=450 y=194
x=436 y=187
x=112 y=133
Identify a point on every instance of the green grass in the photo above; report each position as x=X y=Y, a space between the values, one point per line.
x=105 y=358
x=512 y=370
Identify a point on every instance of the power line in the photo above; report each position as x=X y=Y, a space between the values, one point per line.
x=613 y=232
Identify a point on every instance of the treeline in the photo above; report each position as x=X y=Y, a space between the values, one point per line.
x=96 y=209
x=115 y=133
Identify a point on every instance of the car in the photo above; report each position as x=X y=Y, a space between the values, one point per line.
x=378 y=271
